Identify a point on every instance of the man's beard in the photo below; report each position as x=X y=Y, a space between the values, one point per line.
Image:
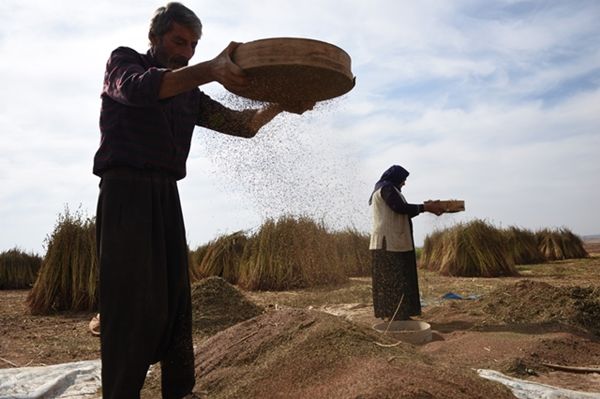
x=172 y=62
x=177 y=62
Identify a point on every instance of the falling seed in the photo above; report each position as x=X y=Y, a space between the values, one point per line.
x=293 y=166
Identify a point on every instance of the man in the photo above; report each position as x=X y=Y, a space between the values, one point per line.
x=150 y=105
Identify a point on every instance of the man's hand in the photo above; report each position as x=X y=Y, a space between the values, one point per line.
x=434 y=207
x=226 y=72
x=220 y=69
x=264 y=115
x=298 y=107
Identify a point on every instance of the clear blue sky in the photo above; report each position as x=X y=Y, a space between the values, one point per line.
x=493 y=102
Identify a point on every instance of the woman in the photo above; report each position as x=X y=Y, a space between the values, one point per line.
x=395 y=284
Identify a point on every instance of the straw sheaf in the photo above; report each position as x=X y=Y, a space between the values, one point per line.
x=221 y=257
x=523 y=246
x=432 y=252
x=353 y=250
x=18 y=269
x=479 y=249
x=69 y=273
x=290 y=253
x=474 y=249
x=559 y=244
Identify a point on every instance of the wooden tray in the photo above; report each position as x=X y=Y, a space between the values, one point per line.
x=452 y=206
x=290 y=70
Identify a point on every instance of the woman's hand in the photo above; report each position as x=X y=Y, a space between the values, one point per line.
x=434 y=207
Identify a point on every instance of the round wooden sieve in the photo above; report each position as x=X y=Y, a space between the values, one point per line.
x=293 y=70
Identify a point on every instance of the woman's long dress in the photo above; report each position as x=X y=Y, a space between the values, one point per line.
x=395 y=280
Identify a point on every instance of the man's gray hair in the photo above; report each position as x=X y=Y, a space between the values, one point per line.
x=173 y=12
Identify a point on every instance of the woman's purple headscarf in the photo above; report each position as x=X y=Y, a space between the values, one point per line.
x=394 y=176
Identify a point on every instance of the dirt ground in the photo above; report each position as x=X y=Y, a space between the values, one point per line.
x=319 y=342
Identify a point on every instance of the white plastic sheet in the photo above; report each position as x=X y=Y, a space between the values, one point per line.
x=523 y=389
x=79 y=380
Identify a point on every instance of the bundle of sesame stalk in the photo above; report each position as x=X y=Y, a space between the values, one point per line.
x=474 y=249
x=558 y=244
x=353 y=250
x=290 y=253
x=18 y=269
x=523 y=246
x=68 y=278
x=221 y=257
x=284 y=253
x=478 y=249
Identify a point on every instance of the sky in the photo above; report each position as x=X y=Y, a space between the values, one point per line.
x=495 y=102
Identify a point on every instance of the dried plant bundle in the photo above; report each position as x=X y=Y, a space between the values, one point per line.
x=290 y=253
x=18 y=269
x=474 y=249
x=68 y=278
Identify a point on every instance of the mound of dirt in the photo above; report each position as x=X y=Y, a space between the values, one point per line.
x=537 y=302
x=217 y=305
x=294 y=353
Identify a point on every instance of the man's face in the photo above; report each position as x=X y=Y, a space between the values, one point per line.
x=176 y=47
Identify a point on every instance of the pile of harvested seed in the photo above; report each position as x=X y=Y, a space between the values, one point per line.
x=537 y=302
x=217 y=305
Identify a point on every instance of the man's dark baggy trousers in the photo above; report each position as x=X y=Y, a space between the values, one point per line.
x=145 y=304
